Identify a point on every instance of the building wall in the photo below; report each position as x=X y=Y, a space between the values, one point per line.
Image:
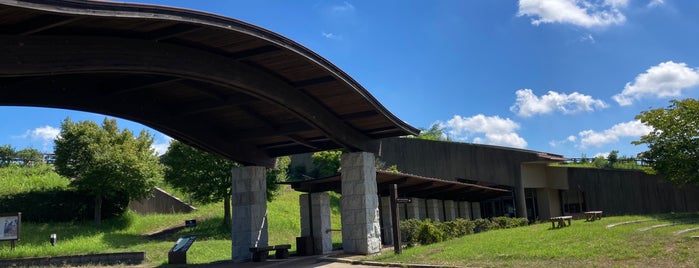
x=618 y=192
x=160 y=203
x=452 y=160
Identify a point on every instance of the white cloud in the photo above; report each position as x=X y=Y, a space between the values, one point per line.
x=45 y=135
x=161 y=147
x=667 y=79
x=656 y=3
x=332 y=36
x=486 y=129
x=631 y=129
x=577 y=12
x=570 y=139
x=345 y=7
x=528 y=104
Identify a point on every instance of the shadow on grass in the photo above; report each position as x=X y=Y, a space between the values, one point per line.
x=37 y=234
x=685 y=218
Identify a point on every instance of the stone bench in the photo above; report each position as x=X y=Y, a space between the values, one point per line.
x=561 y=220
x=260 y=254
x=593 y=215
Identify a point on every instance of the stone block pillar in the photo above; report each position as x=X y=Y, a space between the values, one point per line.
x=422 y=206
x=361 y=231
x=402 y=210
x=413 y=211
x=434 y=209
x=476 y=210
x=449 y=210
x=249 y=211
x=386 y=222
x=319 y=218
x=465 y=210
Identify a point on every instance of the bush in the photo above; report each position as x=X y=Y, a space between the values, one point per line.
x=61 y=205
x=506 y=222
x=409 y=231
x=482 y=225
x=429 y=234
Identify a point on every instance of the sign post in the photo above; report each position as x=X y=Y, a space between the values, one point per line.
x=395 y=219
x=10 y=227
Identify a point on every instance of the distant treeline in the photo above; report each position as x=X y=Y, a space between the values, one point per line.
x=9 y=155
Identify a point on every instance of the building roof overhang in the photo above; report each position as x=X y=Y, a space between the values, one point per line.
x=216 y=83
x=409 y=186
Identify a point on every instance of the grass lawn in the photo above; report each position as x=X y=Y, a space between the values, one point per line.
x=586 y=244
x=128 y=233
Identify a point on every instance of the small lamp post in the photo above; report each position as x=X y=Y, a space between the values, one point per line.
x=53 y=239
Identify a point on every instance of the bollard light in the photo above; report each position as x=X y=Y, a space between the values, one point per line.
x=53 y=239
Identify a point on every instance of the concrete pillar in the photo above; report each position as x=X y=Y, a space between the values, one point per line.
x=387 y=229
x=434 y=209
x=476 y=210
x=465 y=210
x=361 y=231
x=249 y=211
x=549 y=203
x=320 y=211
x=413 y=211
x=520 y=199
x=422 y=205
x=449 y=210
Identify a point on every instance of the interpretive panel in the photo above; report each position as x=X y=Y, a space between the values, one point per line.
x=10 y=226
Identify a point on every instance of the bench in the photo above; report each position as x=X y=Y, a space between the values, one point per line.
x=260 y=254
x=561 y=220
x=593 y=215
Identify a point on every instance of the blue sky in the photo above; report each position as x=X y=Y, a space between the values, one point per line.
x=559 y=76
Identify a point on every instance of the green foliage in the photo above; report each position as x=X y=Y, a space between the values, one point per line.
x=435 y=133
x=673 y=144
x=409 y=231
x=612 y=158
x=429 y=234
x=206 y=177
x=600 y=162
x=327 y=163
x=414 y=231
x=482 y=225
x=30 y=156
x=17 y=179
x=61 y=205
x=277 y=175
x=104 y=160
x=507 y=222
x=7 y=155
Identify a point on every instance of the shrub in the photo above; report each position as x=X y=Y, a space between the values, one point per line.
x=482 y=225
x=429 y=234
x=463 y=227
x=61 y=205
x=507 y=222
x=409 y=231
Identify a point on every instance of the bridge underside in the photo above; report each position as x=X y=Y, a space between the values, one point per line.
x=216 y=83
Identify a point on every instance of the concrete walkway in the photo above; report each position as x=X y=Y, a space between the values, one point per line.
x=319 y=261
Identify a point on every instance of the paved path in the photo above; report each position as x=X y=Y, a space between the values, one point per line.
x=301 y=262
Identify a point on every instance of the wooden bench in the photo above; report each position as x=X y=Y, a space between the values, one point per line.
x=260 y=254
x=593 y=215
x=561 y=220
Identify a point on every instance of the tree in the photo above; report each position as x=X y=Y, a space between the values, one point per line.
x=30 y=156
x=673 y=144
x=612 y=158
x=435 y=133
x=207 y=177
x=105 y=161
x=7 y=155
x=327 y=163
